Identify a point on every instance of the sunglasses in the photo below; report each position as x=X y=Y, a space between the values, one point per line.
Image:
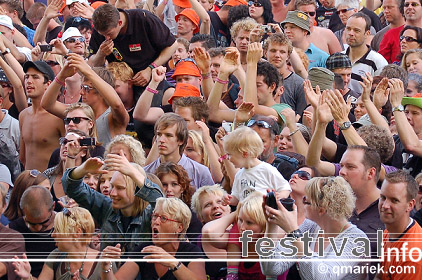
x=52 y=62
x=311 y=14
x=256 y=4
x=86 y=88
x=28 y=224
x=163 y=219
x=261 y=123
x=413 y=4
x=34 y=173
x=6 y=85
x=303 y=175
x=69 y=214
x=75 y=120
x=73 y=40
x=305 y=201
x=408 y=39
x=343 y=11
x=64 y=141
x=188 y=59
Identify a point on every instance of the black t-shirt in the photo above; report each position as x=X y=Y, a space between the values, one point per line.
x=38 y=245
x=413 y=164
x=195 y=228
x=328 y=18
x=13 y=111
x=219 y=31
x=53 y=34
x=186 y=250
x=146 y=36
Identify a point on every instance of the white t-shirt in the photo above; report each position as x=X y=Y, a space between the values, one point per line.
x=259 y=178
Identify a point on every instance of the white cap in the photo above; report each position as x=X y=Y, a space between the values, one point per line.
x=71 y=32
x=6 y=21
x=68 y=2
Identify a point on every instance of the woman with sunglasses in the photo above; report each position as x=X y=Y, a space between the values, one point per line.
x=73 y=231
x=261 y=11
x=329 y=203
x=410 y=38
x=169 y=223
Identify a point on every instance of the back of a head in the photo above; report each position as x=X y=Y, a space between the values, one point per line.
x=270 y=74
x=392 y=71
x=244 y=140
x=379 y=138
x=36 y=11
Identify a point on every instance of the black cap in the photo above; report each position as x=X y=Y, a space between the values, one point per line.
x=3 y=77
x=41 y=66
x=78 y=22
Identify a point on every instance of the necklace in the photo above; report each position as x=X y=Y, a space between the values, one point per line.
x=343 y=228
x=80 y=269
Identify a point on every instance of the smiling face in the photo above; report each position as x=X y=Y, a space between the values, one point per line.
x=414 y=63
x=412 y=10
x=212 y=207
x=285 y=143
x=76 y=45
x=119 y=196
x=393 y=205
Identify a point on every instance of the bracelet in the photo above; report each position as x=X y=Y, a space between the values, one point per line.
x=218 y=80
x=176 y=267
x=72 y=157
x=223 y=157
x=59 y=82
x=154 y=91
x=206 y=75
x=292 y=133
x=110 y=268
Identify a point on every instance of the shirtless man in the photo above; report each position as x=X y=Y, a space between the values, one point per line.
x=321 y=37
x=40 y=130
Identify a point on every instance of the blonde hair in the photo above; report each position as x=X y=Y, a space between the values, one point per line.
x=252 y=207
x=134 y=146
x=199 y=146
x=139 y=204
x=214 y=189
x=246 y=24
x=75 y=218
x=244 y=139
x=416 y=51
x=303 y=57
x=332 y=193
x=121 y=71
x=176 y=209
x=88 y=112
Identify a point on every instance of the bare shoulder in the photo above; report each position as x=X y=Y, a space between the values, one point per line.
x=324 y=31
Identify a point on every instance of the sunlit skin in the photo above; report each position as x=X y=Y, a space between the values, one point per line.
x=84 y=126
x=212 y=207
x=414 y=63
x=360 y=109
x=171 y=186
x=285 y=142
x=414 y=117
x=277 y=54
x=116 y=148
x=163 y=233
x=168 y=144
x=179 y=53
x=119 y=197
x=405 y=45
x=191 y=153
x=241 y=41
x=256 y=13
x=76 y=47
x=186 y=114
x=187 y=79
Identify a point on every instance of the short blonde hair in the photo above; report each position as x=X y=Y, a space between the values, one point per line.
x=121 y=71
x=244 y=139
x=246 y=24
x=139 y=204
x=176 y=209
x=252 y=206
x=71 y=219
x=403 y=61
x=199 y=146
x=214 y=189
x=332 y=193
x=134 y=146
x=88 y=112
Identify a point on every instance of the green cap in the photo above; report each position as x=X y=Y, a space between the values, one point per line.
x=415 y=100
x=322 y=77
x=299 y=19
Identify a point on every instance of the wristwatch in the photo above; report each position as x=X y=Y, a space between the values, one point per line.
x=399 y=108
x=6 y=51
x=296 y=234
x=345 y=125
x=176 y=267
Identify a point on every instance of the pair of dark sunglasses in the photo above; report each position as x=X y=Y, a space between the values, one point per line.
x=413 y=4
x=75 y=120
x=303 y=175
x=311 y=14
x=343 y=11
x=262 y=123
x=73 y=40
x=408 y=39
x=256 y=4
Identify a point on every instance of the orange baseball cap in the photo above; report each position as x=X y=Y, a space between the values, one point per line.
x=186 y=67
x=182 y=3
x=97 y=4
x=233 y=3
x=184 y=90
x=192 y=16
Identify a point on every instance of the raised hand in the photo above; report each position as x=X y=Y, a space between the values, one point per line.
x=311 y=95
x=58 y=47
x=158 y=74
x=106 y=47
x=93 y=165
x=254 y=53
x=120 y=163
x=202 y=59
x=366 y=87
x=381 y=93
x=22 y=267
x=83 y=10
x=290 y=116
x=231 y=61
x=256 y=34
x=396 y=91
x=324 y=112
x=245 y=112
x=53 y=9
x=339 y=109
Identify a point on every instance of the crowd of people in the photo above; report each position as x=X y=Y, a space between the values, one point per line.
x=148 y=139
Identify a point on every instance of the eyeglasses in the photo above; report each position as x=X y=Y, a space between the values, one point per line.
x=73 y=40
x=303 y=175
x=408 y=39
x=305 y=202
x=256 y=4
x=264 y=124
x=343 y=11
x=163 y=219
x=34 y=173
x=28 y=223
x=64 y=141
x=75 y=120
x=86 y=88
x=311 y=14
x=6 y=85
x=413 y=4
x=52 y=62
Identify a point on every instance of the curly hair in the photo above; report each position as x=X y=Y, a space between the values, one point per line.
x=332 y=193
x=134 y=146
x=120 y=71
x=182 y=178
x=379 y=138
x=246 y=24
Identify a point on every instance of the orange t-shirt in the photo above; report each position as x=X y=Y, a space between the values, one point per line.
x=397 y=269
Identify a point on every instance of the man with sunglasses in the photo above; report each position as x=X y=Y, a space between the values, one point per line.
x=36 y=225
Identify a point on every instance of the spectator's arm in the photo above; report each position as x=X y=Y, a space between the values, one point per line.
x=297 y=64
x=20 y=40
x=22 y=153
x=51 y=12
x=333 y=44
x=159 y=11
x=18 y=90
x=203 y=60
x=299 y=143
x=20 y=57
x=203 y=16
x=215 y=232
x=13 y=63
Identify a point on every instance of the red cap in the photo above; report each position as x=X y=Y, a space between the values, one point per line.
x=184 y=90
x=192 y=16
x=182 y=3
x=233 y=3
x=186 y=67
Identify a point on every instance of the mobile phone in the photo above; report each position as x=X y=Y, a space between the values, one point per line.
x=228 y=126
x=288 y=203
x=266 y=28
x=46 y=48
x=90 y=141
x=271 y=200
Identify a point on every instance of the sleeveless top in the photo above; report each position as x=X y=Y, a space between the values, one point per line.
x=103 y=129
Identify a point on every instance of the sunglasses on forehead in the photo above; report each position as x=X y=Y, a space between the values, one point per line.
x=188 y=59
x=262 y=123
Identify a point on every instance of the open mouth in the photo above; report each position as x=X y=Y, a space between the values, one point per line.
x=155 y=233
x=217 y=215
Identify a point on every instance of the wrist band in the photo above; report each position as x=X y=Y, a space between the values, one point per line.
x=206 y=75
x=223 y=157
x=59 y=82
x=72 y=157
x=151 y=66
x=218 y=80
x=154 y=91
x=109 y=269
x=292 y=133
x=155 y=65
x=176 y=267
